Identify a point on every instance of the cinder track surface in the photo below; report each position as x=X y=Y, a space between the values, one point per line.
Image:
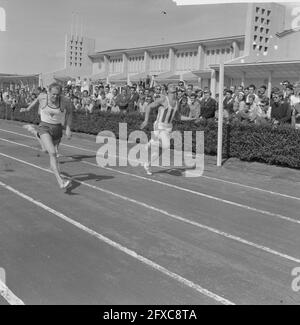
x=118 y=236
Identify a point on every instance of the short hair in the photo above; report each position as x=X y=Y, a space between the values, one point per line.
x=251 y=97
x=263 y=86
x=55 y=85
x=193 y=95
x=252 y=86
x=228 y=91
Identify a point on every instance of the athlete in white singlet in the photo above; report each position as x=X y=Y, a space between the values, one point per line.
x=168 y=110
x=55 y=109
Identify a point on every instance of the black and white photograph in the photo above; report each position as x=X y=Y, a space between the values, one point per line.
x=149 y=155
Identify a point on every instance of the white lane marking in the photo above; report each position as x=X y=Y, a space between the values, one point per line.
x=124 y=249
x=8 y=295
x=163 y=183
x=170 y=215
x=276 y=215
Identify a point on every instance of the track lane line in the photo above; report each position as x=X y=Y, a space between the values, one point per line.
x=121 y=248
x=243 y=206
x=164 y=183
x=180 y=188
x=8 y=295
x=172 y=216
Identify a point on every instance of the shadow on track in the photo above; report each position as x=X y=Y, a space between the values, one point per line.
x=76 y=179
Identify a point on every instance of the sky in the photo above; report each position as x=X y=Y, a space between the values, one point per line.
x=35 y=29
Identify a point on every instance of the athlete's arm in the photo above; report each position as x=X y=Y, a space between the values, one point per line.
x=30 y=106
x=155 y=104
x=69 y=118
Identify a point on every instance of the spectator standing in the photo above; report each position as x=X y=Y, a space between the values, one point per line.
x=208 y=105
x=195 y=110
x=114 y=106
x=184 y=107
x=133 y=99
x=280 y=110
x=228 y=102
x=122 y=101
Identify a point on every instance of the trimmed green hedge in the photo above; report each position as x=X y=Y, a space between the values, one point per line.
x=249 y=142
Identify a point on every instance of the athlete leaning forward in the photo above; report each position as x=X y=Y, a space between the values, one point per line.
x=168 y=110
x=55 y=111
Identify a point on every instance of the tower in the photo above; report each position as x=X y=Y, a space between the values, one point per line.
x=77 y=49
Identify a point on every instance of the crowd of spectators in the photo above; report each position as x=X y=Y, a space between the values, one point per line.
x=250 y=103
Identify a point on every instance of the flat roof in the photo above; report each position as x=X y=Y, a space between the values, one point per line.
x=160 y=46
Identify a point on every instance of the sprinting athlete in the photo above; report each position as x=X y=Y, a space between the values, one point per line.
x=55 y=109
x=168 y=109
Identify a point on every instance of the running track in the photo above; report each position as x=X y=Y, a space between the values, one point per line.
x=120 y=237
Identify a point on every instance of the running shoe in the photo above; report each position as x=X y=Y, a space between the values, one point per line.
x=66 y=184
x=147 y=169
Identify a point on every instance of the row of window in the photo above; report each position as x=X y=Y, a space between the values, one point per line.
x=262 y=11
x=260 y=48
x=76 y=53
x=218 y=51
x=261 y=30
x=75 y=64
x=76 y=42
x=261 y=39
x=262 y=20
x=75 y=58
x=186 y=54
x=75 y=48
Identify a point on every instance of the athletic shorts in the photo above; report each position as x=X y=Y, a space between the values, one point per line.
x=162 y=133
x=54 y=130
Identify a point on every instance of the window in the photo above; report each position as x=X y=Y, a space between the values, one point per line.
x=268 y=13
x=266 y=39
x=254 y=46
x=268 y=21
x=266 y=49
x=262 y=20
x=261 y=29
x=80 y=64
x=207 y=52
x=217 y=51
x=255 y=37
x=263 y=11
x=257 y=10
x=267 y=31
x=256 y=19
x=260 y=47
x=256 y=28
x=228 y=51
x=260 y=38
x=212 y=52
x=223 y=51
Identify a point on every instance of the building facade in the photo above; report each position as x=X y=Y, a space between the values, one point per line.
x=267 y=53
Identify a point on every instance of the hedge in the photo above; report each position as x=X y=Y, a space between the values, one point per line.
x=249 y=142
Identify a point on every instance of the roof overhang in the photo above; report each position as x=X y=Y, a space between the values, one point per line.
x=279 y=69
